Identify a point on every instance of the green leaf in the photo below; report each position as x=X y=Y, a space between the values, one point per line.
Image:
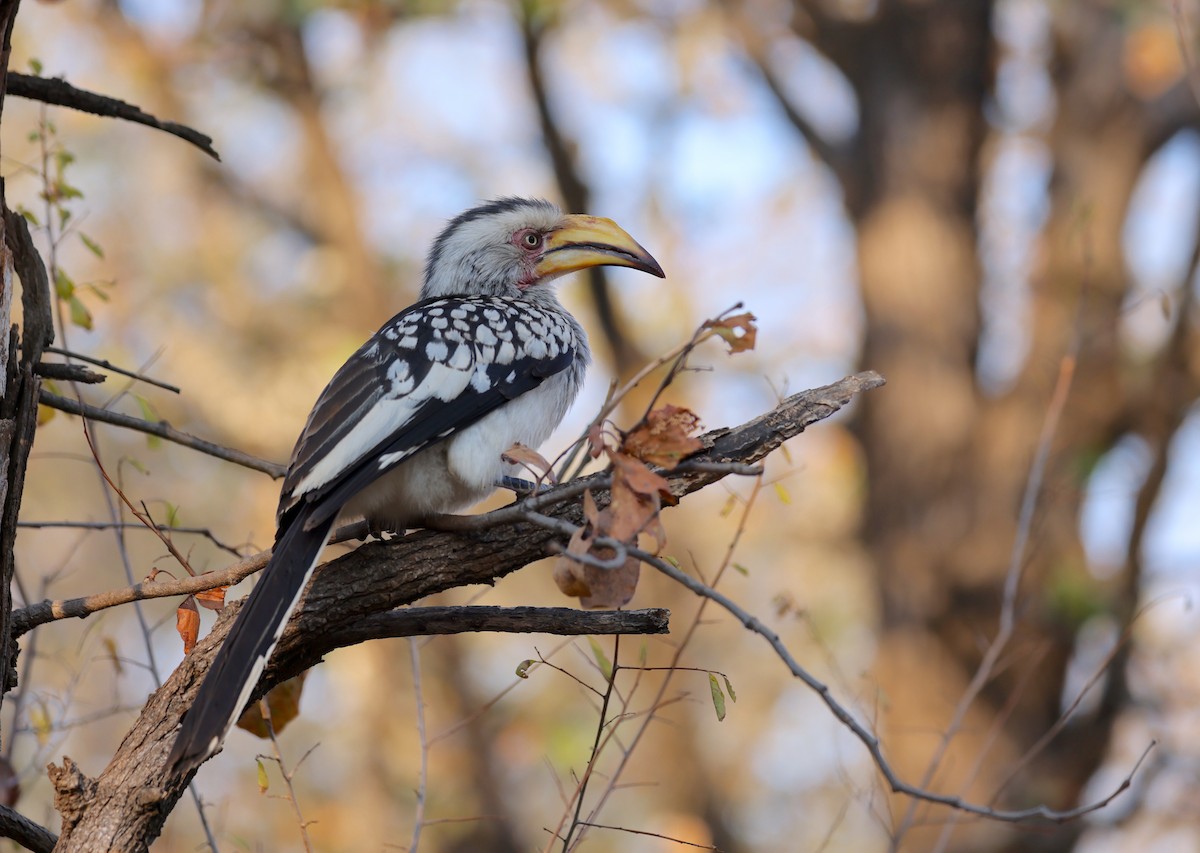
x=643 y=653
x=91 y=244
x=740 y=569
x=523 y=668
x=601 y=660
x=263 y=781
x=172 y=514
x=64 y=286
x=80 y=315
x=782 y=493
x=729 y=688
x=717 y=696
x=35 y=65
x=29 y=215
x=136 y=465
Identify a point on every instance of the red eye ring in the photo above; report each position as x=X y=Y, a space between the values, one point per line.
x=530 y=240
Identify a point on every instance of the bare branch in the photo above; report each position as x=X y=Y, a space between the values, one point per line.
x=30 y=835
x=28 y=618
x=162 y=429
x=112 y=368
x=898 y=785
x=60 y=93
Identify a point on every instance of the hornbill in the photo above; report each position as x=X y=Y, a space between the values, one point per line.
x=415 y=422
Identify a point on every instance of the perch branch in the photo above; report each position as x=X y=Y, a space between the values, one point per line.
x=126 y=805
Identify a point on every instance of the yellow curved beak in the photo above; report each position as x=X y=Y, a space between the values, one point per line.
x=590 y=241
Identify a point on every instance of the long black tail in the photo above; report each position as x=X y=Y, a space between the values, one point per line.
x=240 y=661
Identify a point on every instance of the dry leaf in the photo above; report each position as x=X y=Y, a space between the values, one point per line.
x=283 y=703
x=187 y=623
x=664 y=438
x=611 y=588
x=595 y=440
x=213 y=599
x=738 y=331
x=529 y=458
x=638 y=477
x=568 y=573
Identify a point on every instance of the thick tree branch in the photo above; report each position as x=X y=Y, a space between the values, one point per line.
x=30 y=835
x=162 y=429
x=564 y=621
x=124 y=808
x=60 y=93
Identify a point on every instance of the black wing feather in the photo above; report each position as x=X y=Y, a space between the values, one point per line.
x=435 y=421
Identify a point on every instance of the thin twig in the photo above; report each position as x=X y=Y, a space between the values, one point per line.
x=264 y=708
x=112 y=368
x=164 y=430
x=1012 y=582
x=132 y=525
x=414 y=653
x=672 y=839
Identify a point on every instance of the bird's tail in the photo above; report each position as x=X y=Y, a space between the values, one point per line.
x=242 y=657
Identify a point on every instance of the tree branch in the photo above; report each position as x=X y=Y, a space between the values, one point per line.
x=126 y=805
x=162 y=429
x=60 y=93
x=30 y=835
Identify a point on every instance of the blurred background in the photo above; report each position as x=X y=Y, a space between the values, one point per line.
x=959 y=194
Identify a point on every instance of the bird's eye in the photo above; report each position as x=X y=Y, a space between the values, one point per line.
x=531 y=240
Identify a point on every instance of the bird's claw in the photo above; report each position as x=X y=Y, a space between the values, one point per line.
x=522 y=487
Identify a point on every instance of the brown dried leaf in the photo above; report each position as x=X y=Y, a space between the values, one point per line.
x=610 y=588
x=213 y=599
x=595 y=440
x=637 y=476
x=527 y=457
x=568 y=573
x=187 y=623
x=664 y=437
x=738 y=331
x=283 y=703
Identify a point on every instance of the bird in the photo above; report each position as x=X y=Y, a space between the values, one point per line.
x=417 y=419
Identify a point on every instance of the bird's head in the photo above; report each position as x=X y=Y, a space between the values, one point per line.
x=513 y=246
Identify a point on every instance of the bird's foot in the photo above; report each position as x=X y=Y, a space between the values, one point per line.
x=522 y=487
x=378 y=529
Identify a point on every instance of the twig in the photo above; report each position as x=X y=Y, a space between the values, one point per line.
x=141 y=515
x=112 y=368
x=264 y=708
x=60 y=93
x=1012 y=581
x=651 y=834
x=899 y=786
x=163 y=430
x=601 y=725
x=414 y=653
x=131 y=525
